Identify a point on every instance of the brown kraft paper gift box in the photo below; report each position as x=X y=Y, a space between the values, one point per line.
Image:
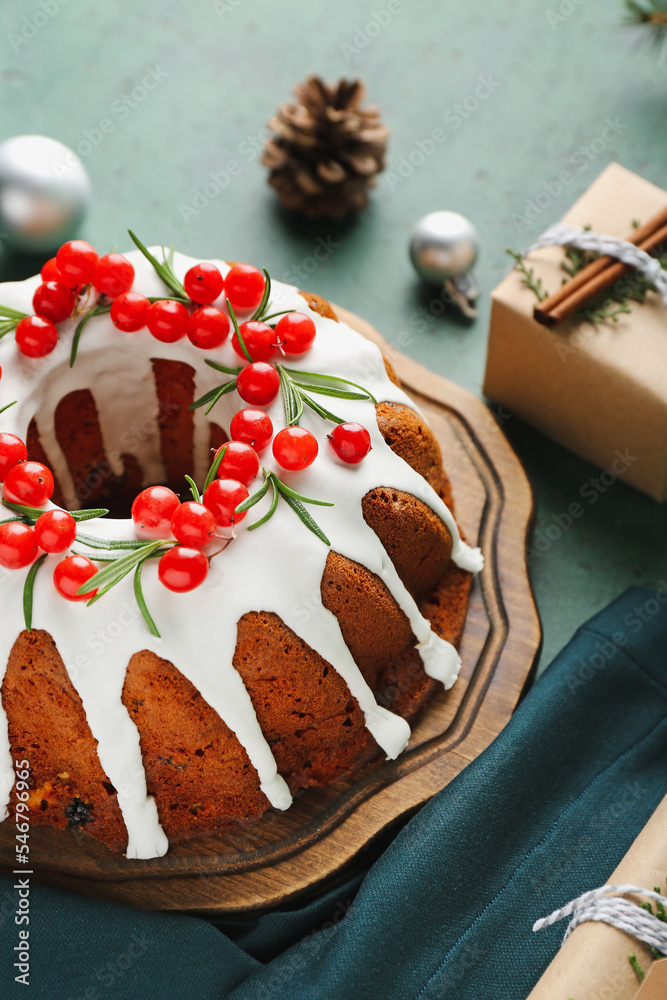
x=600 y=390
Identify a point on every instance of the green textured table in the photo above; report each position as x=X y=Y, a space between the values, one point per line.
x=549 y=75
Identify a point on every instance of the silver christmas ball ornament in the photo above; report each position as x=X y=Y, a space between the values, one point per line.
x=44 y=193
x=443 y=250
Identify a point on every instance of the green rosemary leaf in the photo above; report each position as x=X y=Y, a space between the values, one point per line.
x=309 y=522
x=163 y=271
x=110 y=543
x=141 y=601
x=88 y=515
x=28 y=591
x=291 y=398
x=283 y=312
x=97 y=310
x=10 y=520
x=261 y=308
x=108 y=577
x=222 y=368
x=327 y=390
x=239 y=335
x=213 y=396
x=108 y=559
x=320 y=410
x=193 y=489
x=31 y=512
x=330 y=378
x=7 y=326
x=253 y=498
x=215 y=465
x=272 y=509
x=7 y=405
x=7 y=313
x=287 y=492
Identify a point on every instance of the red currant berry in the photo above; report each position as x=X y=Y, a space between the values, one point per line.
x=12 y=451
x=153 y=510
x=167 y=320
x=295 y=448
x=240 y=461
x=71 y=574
x=55 y=531
x=181 y=569
x=259 y=340
x=53 y=301
x=203 y=283
x=222 y=498
x=351 y=442
x=252 y=427
x=18 y=547
x=295 y=333
x=258 y=383
x=76 y=261
x=50 y=271
x=208 y=327
x=113 y=275
x=35 y=336
x=193 y=524
x=29 y=483
x=129 y=311
x=244 y=286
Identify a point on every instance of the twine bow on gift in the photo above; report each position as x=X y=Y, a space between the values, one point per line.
x=628 y=254
x=616 y=258
x=606 y=905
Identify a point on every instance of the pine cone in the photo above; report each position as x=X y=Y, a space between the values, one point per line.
x=326 y=149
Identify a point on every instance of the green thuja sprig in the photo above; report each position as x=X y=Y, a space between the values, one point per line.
x=651 y=15
x=528 y=276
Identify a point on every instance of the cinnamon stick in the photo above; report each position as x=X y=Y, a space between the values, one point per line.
x=598 y=276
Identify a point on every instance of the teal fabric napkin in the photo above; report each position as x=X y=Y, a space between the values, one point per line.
x=446 y=911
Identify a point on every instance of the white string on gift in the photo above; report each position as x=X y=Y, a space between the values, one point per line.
x=585 y=239
x=606 y=905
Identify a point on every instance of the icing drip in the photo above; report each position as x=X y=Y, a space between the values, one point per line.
x=199 y=628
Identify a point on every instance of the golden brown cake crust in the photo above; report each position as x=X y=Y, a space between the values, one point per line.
x=196 y=769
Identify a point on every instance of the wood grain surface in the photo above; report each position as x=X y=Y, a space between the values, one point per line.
x=286 y=856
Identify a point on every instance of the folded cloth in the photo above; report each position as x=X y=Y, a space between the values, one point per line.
x=545 y=813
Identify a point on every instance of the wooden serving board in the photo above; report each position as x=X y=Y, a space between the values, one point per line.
x=285 y=856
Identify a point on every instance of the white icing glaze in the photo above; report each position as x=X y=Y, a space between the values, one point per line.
x=275 y=569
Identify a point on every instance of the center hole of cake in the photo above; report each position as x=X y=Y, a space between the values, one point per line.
x=108 y=458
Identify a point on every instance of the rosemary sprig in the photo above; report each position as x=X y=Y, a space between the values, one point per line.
x=141 y=602
x=99 y=310
x=294 y=395
x=108 y=544
x=164 y=271
x=7 y=405
x=28 y=590
x=215 y=465
x=295 y=500
x=32 y=513
x=238 y=332
x=528 y=275
x=112 y=574
x=196 y=495
x=263 y=305
x=213 y=395
x=10 y=319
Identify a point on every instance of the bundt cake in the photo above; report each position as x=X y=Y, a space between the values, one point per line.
x=202 y=671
